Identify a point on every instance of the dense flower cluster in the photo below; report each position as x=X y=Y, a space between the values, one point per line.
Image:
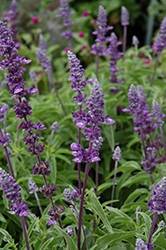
x=98 y=47
x=69 y=196
x=141 y=245
x=117 y=154
x=157 y=113
x=114 y=54
x=160 y=40
x=32 y=186
x=65 y=15
x=150 y=162
x=94 y=119
x=78 y=84
x=139 y=109
x=124 y=16
x=43 y=60
x=157 y=204
x=55 y=214
x=42 y=43
x=12 y=190
x=12 y=17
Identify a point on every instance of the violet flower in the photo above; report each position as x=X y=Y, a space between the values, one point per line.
x=149 y=163
x=65 y=15
x=160 y=41
x=33 y=77
x=99 y=47
x=159 y=45
x=42 y=43
x=135 y=42
x=124 y=23
x=22 y=108
x=80 y=117
x=47 y=67
x=12 y=17
x=44 y=61
x=141 y=245
x=159 y=120
x=69 y=196
x=12 y=190
x=116 y=157
x=95 y=107
x=70 y=231
x=157 y=204
x=114 y=54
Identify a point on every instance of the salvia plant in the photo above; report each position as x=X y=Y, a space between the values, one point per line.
x=82 y=133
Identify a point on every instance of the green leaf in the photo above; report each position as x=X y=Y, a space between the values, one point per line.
x=53 y=168
x=138 y=178
x=160 y=241
x=2 y=218
x=70 y=242
x=109 y=134
x=147 y=220
x=104 y=241
x=46 y=243
x=134 y=195
x=127 y=166
x=95 y=204
x=121 y=214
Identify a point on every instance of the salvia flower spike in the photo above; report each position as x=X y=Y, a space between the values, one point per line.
x=99 y=47
x=124 y=23
x=159 y=120
x=116 y=157
x=67 y=21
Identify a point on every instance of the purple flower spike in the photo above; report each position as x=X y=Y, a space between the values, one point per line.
x=68 y=195
x=76 y=193
x=33 y=76
x=117 y=154
x=12 y=17
x=135 y=41
x=157 y=113
x=20 y=209
x=32 y=186
x=114 y=54
x=12 y=190
x=160 y=41
x=42 y=43
x=4 y=140
x=54 y=126
x=141 y=245
x=2 y=114
x=150 y=163
x=9 y=186
x=43 y=60
x=65 y=15
x=70 y=231
x=48 y=189
x=157 y=204
x=124 y=16
x=99 y=48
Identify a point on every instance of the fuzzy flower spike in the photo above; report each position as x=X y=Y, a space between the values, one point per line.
x=12 y=17
x=157 y=204
x=65 y=15
x=124 y=23
x=159 y=45
x=12 y=190
x=159 y=120
x=99 y=48
x=114 y=54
